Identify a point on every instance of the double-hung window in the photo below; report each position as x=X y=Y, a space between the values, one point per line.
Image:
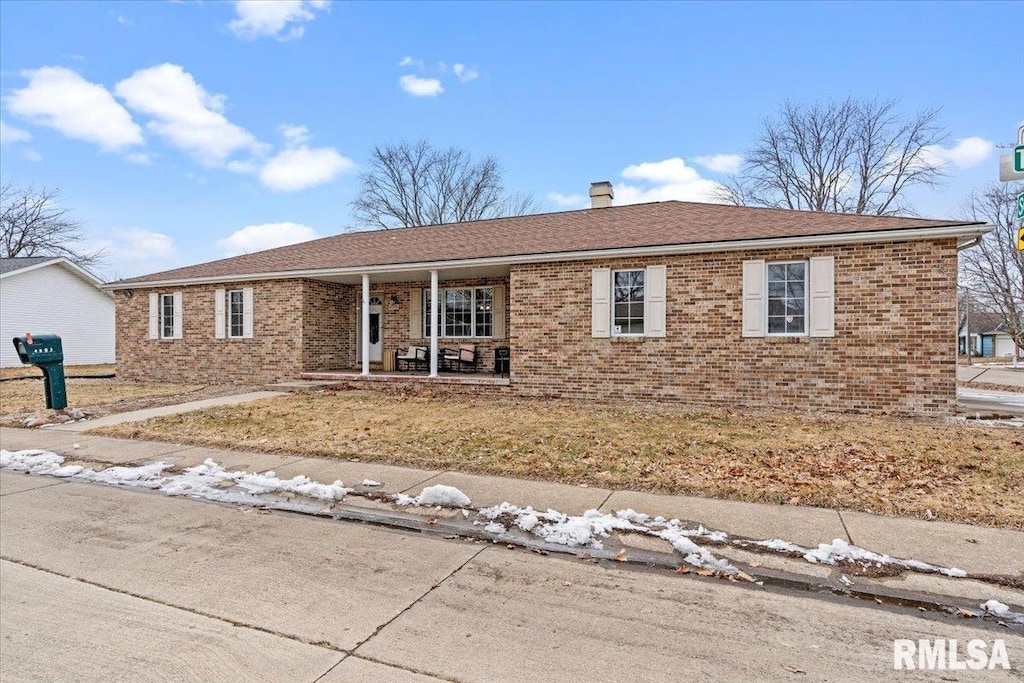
x=233 y=313
x=236 y=313
x=787 y=298
x=167 y=316
x=464 y=312
x=628 y=302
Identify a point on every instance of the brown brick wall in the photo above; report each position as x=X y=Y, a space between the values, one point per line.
x=274 y=353
x=894 y=349
x=329 y=326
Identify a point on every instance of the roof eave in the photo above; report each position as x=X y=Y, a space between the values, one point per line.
x=950 y=231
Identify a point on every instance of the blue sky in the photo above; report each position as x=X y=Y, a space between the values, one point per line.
x=180 y=132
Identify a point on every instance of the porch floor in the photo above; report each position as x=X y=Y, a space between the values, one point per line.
x=480 y=378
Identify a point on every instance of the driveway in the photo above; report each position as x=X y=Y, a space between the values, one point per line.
x=100 y=584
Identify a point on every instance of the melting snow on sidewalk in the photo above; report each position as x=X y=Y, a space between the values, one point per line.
x=210 y=481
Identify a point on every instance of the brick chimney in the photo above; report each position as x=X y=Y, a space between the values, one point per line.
x=601 y=195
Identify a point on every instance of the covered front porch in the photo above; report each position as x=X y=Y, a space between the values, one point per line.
x=370 y=324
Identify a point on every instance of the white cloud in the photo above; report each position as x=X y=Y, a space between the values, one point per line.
x=721 y=163
x=574 y=201
x=10 y=135
x=659 y=181
x=259 y=18
x=32 y=155
x=966 y=153
x=266 y=236
x=59 y=98
x=299 y=168
x=420 y=87
x=407 y=61
x=669 y=171
x=186 y=115
x=465 y=73
x=137 y=244
x=294 y=135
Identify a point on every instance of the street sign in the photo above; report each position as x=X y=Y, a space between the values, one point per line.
x=1020 y=206
x=1020 y=239
x=1018 y=159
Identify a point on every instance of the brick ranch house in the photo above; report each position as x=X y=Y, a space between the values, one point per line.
x=702 y=303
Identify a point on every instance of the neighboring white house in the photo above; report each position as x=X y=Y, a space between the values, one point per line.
x=989 y=337
x=48 y=295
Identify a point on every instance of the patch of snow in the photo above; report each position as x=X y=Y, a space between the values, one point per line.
x=845 y=580
x=998 y=609
x=370 y=483
x=495 y=528
x=778 y=545
x=439 y=494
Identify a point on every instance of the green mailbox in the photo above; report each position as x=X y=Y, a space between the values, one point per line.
x=46 y=352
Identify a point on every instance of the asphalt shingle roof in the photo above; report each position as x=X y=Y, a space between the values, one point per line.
x=9 y=265
x=638 y=225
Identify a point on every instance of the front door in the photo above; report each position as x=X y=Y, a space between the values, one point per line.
x=376 y=329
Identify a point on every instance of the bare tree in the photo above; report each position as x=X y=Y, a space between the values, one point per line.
x=994 y=270
x=419 y=184
x=848 y=157
x=33 y=223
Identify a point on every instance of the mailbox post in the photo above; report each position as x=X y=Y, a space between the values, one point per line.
x=46 y=352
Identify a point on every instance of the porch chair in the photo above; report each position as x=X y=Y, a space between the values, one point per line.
x=414 y=358
x=467 y=357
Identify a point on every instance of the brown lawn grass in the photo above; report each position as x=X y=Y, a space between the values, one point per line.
x=960 y=472
x=22 y=397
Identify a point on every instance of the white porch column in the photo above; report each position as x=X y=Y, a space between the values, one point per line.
x=364 y=325
x=433 y=323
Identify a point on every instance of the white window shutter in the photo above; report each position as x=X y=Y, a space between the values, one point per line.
x=823 y=297
x=498 y=312
x=654 y=301
x=219 y=314
x=753 y=298
x=247 y=312
x=154 y=316
x=416 y=313
x=177 y=315
x=600 y=304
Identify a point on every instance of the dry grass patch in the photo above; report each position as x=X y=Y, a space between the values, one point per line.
x=960 y=472
x=19 y=398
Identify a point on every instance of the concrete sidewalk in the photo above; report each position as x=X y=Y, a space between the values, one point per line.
x=140 y=415
x=972 y=548
x=1010 y=378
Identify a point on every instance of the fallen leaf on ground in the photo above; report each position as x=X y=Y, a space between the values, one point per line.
x=621 y=557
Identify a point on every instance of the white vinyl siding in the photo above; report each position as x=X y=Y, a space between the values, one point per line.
x=82 y=315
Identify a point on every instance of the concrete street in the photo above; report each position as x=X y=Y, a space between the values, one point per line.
x=98 y=583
